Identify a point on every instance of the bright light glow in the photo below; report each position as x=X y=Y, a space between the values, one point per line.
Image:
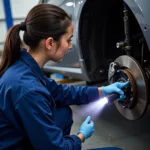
x=80 y=2
x=93 y=109
x=102 y=101
x=69 y=4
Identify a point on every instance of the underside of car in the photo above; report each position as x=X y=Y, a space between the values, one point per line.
x=114 y=49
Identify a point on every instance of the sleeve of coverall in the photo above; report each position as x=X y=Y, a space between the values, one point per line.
x=65 y=95
x=34 y=111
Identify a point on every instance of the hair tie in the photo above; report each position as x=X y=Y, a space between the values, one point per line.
x=23 y=26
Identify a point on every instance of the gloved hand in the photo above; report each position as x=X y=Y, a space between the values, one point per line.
x=87 y=128
x=115 y=88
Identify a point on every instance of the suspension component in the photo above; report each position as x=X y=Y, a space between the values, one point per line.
x=126 y=44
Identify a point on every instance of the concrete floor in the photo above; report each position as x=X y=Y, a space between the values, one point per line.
x=112 y=129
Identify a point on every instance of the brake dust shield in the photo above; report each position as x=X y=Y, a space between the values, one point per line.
x=135 y=105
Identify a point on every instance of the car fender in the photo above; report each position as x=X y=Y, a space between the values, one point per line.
x=140 y=10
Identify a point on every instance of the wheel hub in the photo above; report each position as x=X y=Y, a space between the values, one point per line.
x=124 y=75
x=126 y=68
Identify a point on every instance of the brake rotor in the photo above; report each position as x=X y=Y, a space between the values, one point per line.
x=136 y=103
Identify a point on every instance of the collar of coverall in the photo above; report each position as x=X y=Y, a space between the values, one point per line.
x=28 y=59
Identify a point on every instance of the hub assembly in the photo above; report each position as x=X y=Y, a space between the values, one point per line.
x=125 y=68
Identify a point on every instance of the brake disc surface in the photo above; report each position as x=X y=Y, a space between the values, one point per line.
x=138 y=82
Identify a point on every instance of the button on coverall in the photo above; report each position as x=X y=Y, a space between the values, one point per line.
x=34 y=112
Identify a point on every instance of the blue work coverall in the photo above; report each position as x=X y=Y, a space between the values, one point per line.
x=34 y=112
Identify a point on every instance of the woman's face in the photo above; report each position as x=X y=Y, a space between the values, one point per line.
x=65 y=45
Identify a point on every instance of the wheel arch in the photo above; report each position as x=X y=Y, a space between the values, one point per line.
x=100 y=28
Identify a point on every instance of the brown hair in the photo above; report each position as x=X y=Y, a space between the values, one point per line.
x=42 y=21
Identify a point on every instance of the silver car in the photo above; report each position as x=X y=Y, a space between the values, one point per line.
x=111 y=42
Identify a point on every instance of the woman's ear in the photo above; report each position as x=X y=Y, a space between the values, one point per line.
x=49 y=43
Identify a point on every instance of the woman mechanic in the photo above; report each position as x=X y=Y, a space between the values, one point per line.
x=34 y=110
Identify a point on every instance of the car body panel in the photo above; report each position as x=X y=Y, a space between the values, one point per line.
x=140 y=9
x=73 y=64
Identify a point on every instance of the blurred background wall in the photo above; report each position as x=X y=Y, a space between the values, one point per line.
x=12 y=15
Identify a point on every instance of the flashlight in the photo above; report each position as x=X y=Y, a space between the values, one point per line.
x=113 y=97
x=109 y=98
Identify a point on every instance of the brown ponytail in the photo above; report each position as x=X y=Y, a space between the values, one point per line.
x=11 y=50
x=42 y=21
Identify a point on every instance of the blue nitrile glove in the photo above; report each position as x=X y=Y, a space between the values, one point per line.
x=87 y=128
x=115 y=88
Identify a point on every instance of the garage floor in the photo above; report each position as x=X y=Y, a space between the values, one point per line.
x=112 y=129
